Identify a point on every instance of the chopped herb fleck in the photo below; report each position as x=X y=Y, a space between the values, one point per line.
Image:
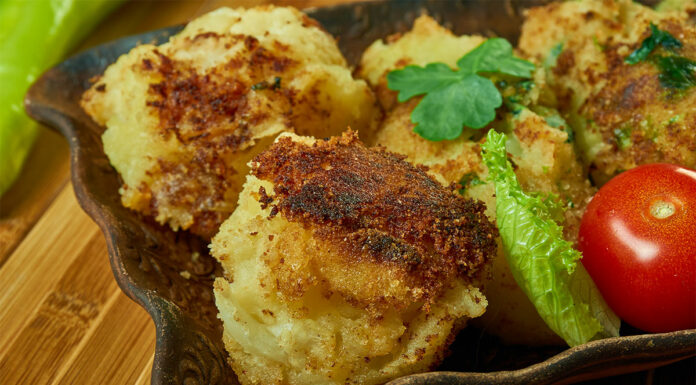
x=555 y=121
x=551 y=60
x=623 y=137
x=673 y=119
x=525 y=85
x=597 y=44
x=469 y=179
x=262 y=85
x=656 y=38
x=676 y=72
x=571 y=134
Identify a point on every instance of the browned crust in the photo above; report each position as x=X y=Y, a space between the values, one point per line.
x=194 y=106
x=633 y=100
x=378 y=209
x=639 y=120
x=210 y=114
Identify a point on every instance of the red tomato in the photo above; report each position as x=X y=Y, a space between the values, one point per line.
x=638 y=239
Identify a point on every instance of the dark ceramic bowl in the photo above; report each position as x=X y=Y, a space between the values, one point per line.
x=146 y=258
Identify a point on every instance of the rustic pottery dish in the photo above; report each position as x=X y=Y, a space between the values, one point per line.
x=147 y=259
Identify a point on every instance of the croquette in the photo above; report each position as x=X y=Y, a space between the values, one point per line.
x=544 y=157
x=346 y=265
x=183 y=119
x=622 y=114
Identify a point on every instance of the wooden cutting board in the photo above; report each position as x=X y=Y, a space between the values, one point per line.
x=63 y=319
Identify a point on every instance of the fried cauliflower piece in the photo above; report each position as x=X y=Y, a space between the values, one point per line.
x=345 y=265
x=546 y=162
x=183 y=119
x=622 y=115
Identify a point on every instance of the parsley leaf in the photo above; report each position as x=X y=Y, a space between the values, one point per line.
x=413 y=80
x=676 y=72
x=495 y=56
x=442 y=113
x=657 y=37
x=454 y=99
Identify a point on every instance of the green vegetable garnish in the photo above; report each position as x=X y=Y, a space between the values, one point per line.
x=555 y=52
x=469 y=179
x=555 y=120
x=597 y=44
x=623 y=137
x=454 y=99
x=34 y=35
x=676 y=72
x=542 y=262
x=656 y=38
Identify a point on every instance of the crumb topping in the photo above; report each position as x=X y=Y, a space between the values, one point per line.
x=378 y=208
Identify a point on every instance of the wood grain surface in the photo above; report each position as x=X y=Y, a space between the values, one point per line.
x=63 y=319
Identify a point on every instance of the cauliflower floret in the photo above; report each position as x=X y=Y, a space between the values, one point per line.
x=184 y=118
x=345 y=265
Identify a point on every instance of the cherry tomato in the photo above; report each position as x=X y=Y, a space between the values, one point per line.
x=638 y=239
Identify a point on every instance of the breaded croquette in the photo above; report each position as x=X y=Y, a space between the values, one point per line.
x=622 y=114
x=183 y=119
x=346 y=265
x=545 y=162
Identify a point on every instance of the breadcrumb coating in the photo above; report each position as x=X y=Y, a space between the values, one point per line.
x=622 y=115
x=184 y=118
x=346 y=265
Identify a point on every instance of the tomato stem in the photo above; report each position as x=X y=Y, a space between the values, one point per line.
x=662 y=209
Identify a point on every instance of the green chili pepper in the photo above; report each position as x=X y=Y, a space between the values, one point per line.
x=34 y=34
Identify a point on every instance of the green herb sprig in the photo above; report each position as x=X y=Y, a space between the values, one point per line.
x=457 y=98
x=676 y=72
x=656 y=38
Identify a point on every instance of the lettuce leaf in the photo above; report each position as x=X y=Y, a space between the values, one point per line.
x=544 y=265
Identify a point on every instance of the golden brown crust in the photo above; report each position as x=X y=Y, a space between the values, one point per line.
x=184 y=118
x=622 y=114
x=210 y=115
x=374 y=204
x=200 y=107
x=635 y=104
